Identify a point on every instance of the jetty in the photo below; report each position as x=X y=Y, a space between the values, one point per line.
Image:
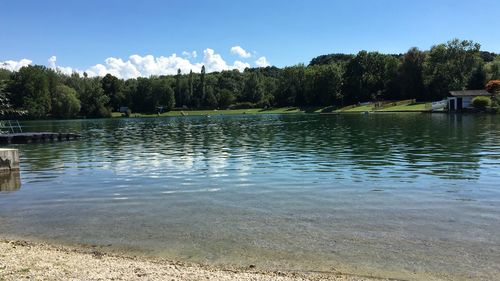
x=32 y=137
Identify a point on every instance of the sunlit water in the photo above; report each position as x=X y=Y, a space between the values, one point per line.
x=413 y=196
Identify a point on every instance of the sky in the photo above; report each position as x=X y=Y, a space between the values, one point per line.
x=142 y=38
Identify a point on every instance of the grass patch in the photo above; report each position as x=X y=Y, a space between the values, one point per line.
x=362 y=108
x=408 y=107
x=284 y=110
x=215 y=112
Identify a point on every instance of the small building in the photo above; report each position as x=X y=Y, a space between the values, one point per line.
x=459 y=100
x=123 y=109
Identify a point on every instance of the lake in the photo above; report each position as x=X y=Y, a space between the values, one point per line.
x=412 y=196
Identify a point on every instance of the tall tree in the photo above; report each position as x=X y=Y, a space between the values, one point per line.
x=178 y=90
x=493 y=69
x=190 y=91
x=253 y=91
x=323 y=85
x=94 y=103
x=370 y=76
x=291 y=88
x=65 y=103
x=449 y=66
x=162 y=95
x=411 y=77
x=113 y=88
x=477 y=80
x=200 y=91
x=30 y=88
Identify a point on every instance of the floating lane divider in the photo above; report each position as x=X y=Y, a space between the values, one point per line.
x=16 y=138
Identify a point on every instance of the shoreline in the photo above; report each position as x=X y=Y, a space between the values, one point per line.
x=21 y=259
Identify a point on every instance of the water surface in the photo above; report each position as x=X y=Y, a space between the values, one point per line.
x=413 y=196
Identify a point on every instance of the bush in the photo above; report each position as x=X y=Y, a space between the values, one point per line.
x=481 y=102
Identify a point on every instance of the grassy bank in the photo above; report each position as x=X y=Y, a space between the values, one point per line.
x=215 y=112
x=391 y=107
x=409 y=107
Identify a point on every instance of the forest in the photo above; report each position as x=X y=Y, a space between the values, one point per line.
x=335 y=80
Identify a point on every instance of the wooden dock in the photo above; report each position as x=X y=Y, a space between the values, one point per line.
x=31 y=137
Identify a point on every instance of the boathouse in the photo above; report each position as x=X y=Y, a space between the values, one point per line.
x=459 y=100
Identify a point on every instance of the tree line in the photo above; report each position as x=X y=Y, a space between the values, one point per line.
x=329 y=80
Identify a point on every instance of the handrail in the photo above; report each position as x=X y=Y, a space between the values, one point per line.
x=19 y=126
x=11 y=127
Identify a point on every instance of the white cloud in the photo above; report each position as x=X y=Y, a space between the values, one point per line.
x=14 y=65
x=241 y=65
x=52 y=63
x=262 y=62
x=213 y=62
x=238 y=50
x=189 y=55
x=144 y=66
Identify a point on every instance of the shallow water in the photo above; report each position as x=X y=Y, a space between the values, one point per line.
x=413 y=196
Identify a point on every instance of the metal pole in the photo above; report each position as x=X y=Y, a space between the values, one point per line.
x=19 y=126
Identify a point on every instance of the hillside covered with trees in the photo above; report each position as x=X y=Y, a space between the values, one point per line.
x=329 y=80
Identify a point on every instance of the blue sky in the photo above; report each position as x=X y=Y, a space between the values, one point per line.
x=82 y=34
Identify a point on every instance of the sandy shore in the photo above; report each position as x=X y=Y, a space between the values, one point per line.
x=22 y=260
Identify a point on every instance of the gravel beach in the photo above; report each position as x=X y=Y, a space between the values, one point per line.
x=23 y=260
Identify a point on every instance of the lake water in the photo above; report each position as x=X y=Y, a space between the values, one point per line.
x=412 y=196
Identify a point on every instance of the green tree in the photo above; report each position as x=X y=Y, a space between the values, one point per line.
x=331 y=59
x=30 y=90
x=270 y=85
x=323 y=85
x=190 y=90
x=6 y=108
x=291 y=86
x=477 y=80
x=129 y=89
x=370 y=76
x=411 y=77
x=233 y=82
x=226 y=98
x=162 y=94
x=492 y=69
x=65 y=103
x=113 y=88
x=200 y=91
x=142 y=99
x=94 y=103
x=178 y=89
x=210 y=98
x=253 y=91
x=450 y=66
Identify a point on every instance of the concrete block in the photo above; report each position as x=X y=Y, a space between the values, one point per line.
x=9 y=160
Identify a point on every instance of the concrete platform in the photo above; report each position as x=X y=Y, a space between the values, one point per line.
x=9 y=160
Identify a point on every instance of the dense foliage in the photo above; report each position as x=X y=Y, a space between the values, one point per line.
x=481 y=102
x=330 y=80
